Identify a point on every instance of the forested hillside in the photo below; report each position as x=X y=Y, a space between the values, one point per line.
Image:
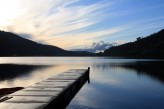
x=148 y=47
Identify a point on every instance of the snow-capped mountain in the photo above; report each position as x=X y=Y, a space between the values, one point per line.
x=99 y=46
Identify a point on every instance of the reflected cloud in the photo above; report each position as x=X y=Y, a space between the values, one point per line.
x=114 y=83
x=81 y=107
x=108 y=81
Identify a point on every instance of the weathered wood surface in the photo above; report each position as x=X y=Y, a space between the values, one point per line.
x=55 y=92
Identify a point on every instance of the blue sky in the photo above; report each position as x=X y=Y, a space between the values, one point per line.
x=73 y=24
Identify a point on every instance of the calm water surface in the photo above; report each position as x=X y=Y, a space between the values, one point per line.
x=115 y=83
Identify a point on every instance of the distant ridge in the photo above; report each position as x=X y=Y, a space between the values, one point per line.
x=97 y=47
x=148 y=47
x=14 y=45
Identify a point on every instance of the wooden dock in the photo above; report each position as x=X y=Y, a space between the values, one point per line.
x=53 y=93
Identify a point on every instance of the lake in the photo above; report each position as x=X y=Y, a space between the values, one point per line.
x=114 y=83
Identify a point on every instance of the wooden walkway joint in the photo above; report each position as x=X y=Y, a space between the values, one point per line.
x=53 y=93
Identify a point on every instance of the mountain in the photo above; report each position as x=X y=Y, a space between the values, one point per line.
x=98 y=47
x=148 y=47
x=14 y=45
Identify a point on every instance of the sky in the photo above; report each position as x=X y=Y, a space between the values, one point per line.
x=72 y=24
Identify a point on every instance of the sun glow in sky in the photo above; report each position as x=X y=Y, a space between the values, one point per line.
x=8 y=11
x=77 y=23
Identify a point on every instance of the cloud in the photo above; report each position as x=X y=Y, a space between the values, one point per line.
x=96 y=47
x=67 y=23
x=81 y=39
x=45 y=20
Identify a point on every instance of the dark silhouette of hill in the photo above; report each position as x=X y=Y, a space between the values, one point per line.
x=148 y=47
x=14 y=45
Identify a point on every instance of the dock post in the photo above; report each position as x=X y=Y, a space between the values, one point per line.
x=88 y=75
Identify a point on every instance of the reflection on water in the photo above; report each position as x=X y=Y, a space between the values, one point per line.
x=9 y=71
x=154 y=69
x=115 y=83
x=12 y=75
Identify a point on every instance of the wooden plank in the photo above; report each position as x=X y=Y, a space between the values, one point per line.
x=54 y=92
